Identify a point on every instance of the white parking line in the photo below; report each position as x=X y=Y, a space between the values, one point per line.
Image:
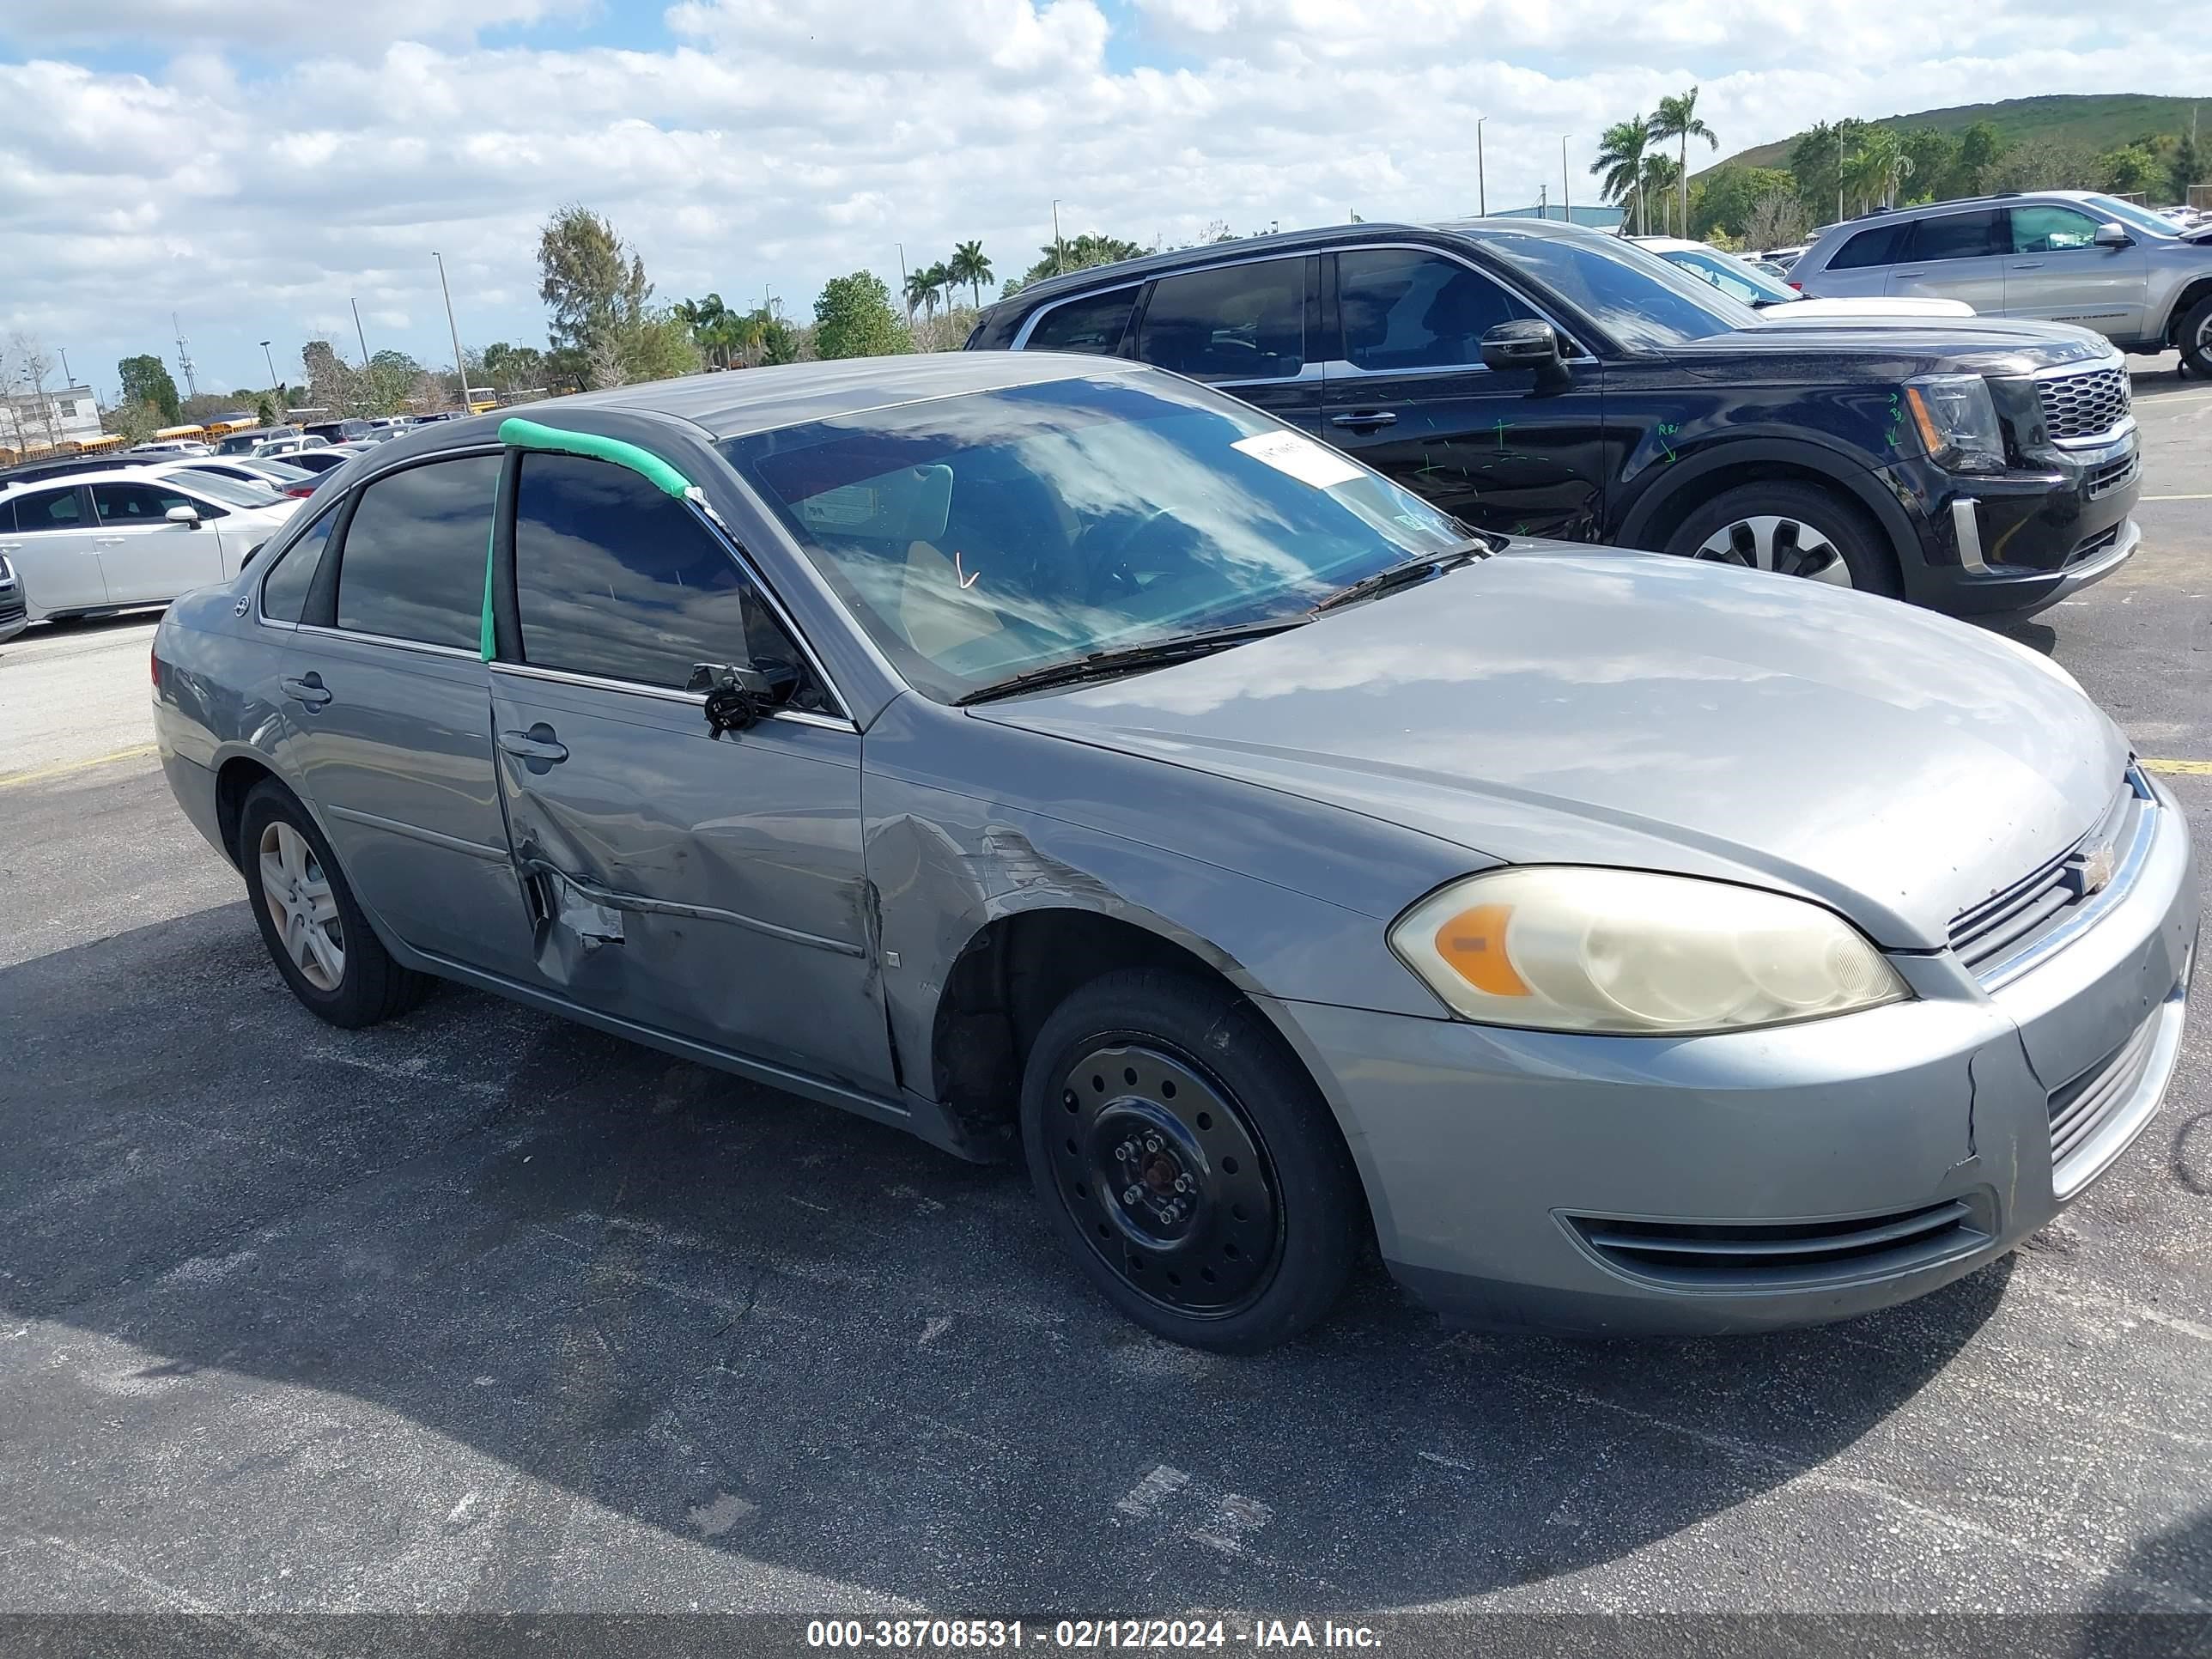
x=2207 y=497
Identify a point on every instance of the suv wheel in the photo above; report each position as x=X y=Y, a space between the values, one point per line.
x=2195 y=338
x=1188 y=1163
x=1794 y=530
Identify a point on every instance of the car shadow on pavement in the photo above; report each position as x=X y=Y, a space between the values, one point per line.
x=608 y=1281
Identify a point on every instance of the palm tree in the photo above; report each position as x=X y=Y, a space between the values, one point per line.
x=1678 y=119
x=941 y=281
x=920 y=290
x=1881 y=166
x=1621 y=158
x=970 y=264
x=707 y=318
x=1658 y=185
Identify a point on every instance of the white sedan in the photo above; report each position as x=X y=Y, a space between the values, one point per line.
x=96 y=542
x=1778 y=302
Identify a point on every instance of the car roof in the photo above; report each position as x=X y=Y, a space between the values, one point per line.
x=1670 y=243
x=137 y=474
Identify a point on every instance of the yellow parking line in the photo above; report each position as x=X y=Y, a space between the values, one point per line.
x=2174 y=765
x=133 y=753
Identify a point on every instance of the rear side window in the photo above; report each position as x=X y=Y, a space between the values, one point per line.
x=140 y=503
x=1238 y=323
x=1405 y=309
x=1093 y=325
x=412 y=565
x=1877 y=246
x=284 y=589
x=49 y=509
x=1960 y=236
x=615 y=579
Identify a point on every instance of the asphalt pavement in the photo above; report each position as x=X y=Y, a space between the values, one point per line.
x=483 y=1311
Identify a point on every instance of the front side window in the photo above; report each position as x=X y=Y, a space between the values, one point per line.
x=2043 y=230
x=49 y=509
x=615 y=579
x=412 y=564
x=977 y=536
x=1238 y=323
x=1092 y=325
x=1959 y=236
x=1405 y=309
x=284 y=589
x=1630 y=293
x=144 y=503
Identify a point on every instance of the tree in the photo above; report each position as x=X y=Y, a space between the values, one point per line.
x=2188 y=166
x=709 y=321
x=971 y=266
x=1776 y=219
x=1873 y=171
x=27 y=369
x=656 y=347
x=1724 y=199
x=265 y=411
x=853 y=318
x=1981 y=147
x=1934 y=157
x=594 y=281
x=1659 y=175
x=2042 y=164
x=921 y=289
x=1817 y=161
x=146 y=380
x=1678 y=119
x=2132 y=170
x=132 y=423
x=1080 y=254
x=332 y=383
x=1621 y=150
x=512 y=368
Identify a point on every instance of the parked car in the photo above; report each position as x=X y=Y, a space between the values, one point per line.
x=130 y=535
x=2063 y=256
x=1784 y=257
x=322 y=460
x=1541 y=378
x=172 y=446
x=280 y=476
x=350 y=430
x=1775 y=300
x=1048 y=754
x=246 y=442
x=14 y=617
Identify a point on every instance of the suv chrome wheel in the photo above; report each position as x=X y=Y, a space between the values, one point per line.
x=1788 y=546
x=301 y=903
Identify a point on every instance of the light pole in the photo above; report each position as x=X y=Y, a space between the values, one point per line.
x=901 y=247
x=1481 y=191
x=66 y=376
x=1567 y=194
x=460 y=368
x=359 y=335
x=1055 y=236
x=272 y=362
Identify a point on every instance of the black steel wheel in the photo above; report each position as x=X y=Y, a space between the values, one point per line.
x=1212 y=1199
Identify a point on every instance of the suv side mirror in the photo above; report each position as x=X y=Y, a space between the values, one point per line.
x=188 y=516
x=2112 y=233
x=1527 y=344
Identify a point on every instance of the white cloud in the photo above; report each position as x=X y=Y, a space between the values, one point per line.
x=763 y=146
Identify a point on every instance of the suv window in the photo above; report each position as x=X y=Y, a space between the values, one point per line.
x=1958 y=236
x=2045 y=229
x=1094 y=324
x=1878 y=246
x=284 y=589
x=48 y=509
x=1405 y=309
x=1238 y=323
x=615 y=578
x=144 y=503
x=412 y=564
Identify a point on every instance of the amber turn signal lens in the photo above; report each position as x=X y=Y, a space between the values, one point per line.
x=1474 y=943
x=1928 y=434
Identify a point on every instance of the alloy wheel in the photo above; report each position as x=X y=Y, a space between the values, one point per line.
x=1788 y=546
x=298 y=894
x=1167 y=1181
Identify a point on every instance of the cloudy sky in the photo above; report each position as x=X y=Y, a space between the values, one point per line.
x=255 y=167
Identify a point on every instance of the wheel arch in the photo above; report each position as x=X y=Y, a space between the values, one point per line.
x=2197 y=289
x=1682 y=490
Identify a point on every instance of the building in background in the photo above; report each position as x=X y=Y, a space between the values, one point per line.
x=64 y=415
x=1597 y=218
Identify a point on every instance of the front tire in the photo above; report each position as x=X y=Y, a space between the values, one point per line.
x=1188 y=1163
x=1794 y=530
x=310 y=922
x=2195 y=338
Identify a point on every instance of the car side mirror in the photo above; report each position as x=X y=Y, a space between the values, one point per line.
x=188 y=516
x=2112 y=233
x=1526 y=343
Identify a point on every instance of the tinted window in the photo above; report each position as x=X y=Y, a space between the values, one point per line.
x=615 y=578
x=1239 y=322
x=412 y=566
x=284 y=589
x=48 y=509
x=1877 y=246
x=1404 y=309
x=1734 y=278
x=1091 y=325
x=144 y=503
x=1959 y=236
x=2050 y=229
x=1630 y=292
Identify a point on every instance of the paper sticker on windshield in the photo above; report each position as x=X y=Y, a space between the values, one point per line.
x=1302 y=457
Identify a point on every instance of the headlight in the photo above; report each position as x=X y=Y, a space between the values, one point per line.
x=1571 y=949
x=1957 y=421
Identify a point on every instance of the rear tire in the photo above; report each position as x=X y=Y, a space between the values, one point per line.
x=1188 y=1163
x=2194 y=337
x=1794 y=529
x=313 y=925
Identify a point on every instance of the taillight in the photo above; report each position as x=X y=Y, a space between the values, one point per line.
x=1799 y=287
x=153 y=665
x=301 y=490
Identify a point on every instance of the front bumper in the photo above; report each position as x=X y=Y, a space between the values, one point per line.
x=1755 y=1179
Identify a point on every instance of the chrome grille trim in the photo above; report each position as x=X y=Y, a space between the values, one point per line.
x=2083 y=406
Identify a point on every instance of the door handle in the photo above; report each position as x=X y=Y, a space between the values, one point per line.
x=1908 y=273
x=308 y=689
x=1361 y=420
x=537 y=743
x=2032 y=265
x=110 y=541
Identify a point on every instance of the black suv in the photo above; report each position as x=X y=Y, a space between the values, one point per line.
x=1544 y=379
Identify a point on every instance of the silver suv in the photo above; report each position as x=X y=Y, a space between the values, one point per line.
x=2062 y=256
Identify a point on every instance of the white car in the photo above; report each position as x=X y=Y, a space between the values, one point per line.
x=1776 y=302
x=96 y=542
x=13 y=618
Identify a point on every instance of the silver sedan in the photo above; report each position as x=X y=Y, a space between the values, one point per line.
x=1061 y=761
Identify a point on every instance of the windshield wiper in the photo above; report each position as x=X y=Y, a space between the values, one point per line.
x=1407 y=572
x=1105 y=665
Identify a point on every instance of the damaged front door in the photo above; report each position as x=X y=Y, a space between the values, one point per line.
x=700 y=879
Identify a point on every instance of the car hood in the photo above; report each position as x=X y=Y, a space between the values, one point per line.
x=1558 y=706
x=1886 y=346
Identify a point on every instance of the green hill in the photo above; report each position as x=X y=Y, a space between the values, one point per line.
x=2095 y=121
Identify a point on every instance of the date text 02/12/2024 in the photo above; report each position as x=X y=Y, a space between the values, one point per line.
x=955 y=1634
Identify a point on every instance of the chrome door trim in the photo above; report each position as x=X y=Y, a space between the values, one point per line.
x=1028 y=324
x=421 y=647
x=663 y=693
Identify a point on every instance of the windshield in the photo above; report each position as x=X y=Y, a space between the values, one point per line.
x=1630 y=292
x=231 y=492
x=2134 y=217
x=1731 y=277
x=982 y=536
